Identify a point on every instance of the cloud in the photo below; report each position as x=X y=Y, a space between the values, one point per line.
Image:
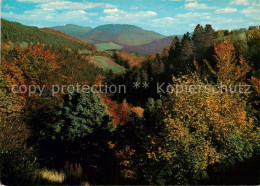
x=123 y=13
x=49 y=15
x=60 y=11
x=149 y=13
x=35 y=1
x=62 y=5
x=112 y=11
x=226 y=10
x=65 y=4
x=246 y=2
x=239 y=2
x=165 y=21
x=189 y=5
x=120 y=16
x=252 y=12
x=196 y=5
x=193 y=15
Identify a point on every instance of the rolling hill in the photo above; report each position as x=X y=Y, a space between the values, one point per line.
x=73 y=30
x=18 y=33
x=150 y=48
x=120 y=34
x=68 y=37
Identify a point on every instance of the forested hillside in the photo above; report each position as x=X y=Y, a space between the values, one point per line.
x=26 y=35
x=73 y=30
x=68 y=37
x=125 y=35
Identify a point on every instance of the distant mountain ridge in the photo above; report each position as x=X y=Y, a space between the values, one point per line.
x=121 y=34
x=73 y=30
x=123 y=37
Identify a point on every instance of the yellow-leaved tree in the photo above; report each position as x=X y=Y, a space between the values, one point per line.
x=207 y=127
x=229 y=70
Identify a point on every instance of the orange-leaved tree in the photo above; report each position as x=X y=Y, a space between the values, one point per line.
x=229 y=69
x=207 y=128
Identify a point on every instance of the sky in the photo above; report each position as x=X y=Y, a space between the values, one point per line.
x=167 y=17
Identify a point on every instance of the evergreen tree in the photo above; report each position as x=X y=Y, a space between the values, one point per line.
x=209 y=36
x=187 y=55
x=174 y=56
x=84 y=129
x=198 y=39
x=80 y=115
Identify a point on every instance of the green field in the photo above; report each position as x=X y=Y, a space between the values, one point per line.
x=108 y=46
x=106 y=63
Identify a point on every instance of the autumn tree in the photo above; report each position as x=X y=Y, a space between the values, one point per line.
x=229 y=69
x=205 y=129
x=17 y=160
x=136 y=140
x=33 y=65
x=118 y=111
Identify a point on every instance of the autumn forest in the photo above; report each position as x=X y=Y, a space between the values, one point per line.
x=171 y=110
